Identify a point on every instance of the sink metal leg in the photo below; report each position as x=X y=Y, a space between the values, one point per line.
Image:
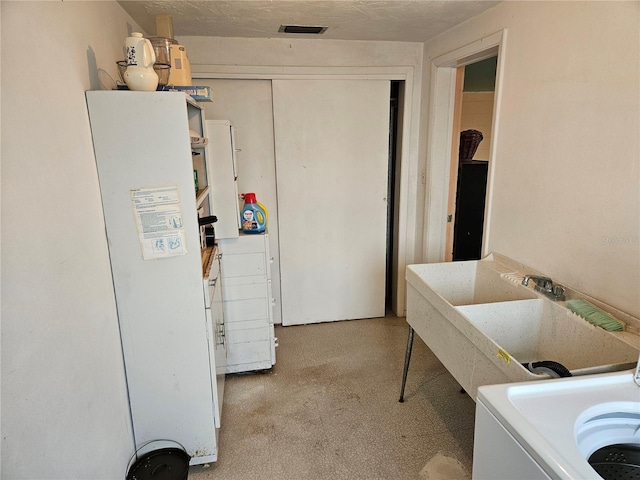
x=407 y=358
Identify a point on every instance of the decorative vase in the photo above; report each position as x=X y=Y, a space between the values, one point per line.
x=140 y=58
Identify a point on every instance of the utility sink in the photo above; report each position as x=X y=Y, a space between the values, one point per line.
x=537 y=330
x=467 y=283
x=482 y=323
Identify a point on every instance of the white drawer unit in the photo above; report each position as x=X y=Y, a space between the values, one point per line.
x=247 y=303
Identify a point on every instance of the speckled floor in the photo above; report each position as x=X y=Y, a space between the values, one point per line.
x=329 y=409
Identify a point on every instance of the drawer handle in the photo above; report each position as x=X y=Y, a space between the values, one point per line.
x=212 y=282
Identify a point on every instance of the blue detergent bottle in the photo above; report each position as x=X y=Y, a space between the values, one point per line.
x=253 y=217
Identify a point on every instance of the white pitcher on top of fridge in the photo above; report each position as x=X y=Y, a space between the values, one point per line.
x=140 y=57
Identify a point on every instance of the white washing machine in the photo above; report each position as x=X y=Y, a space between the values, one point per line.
x=549 y=429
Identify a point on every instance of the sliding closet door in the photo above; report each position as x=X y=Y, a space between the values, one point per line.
x=331 y=144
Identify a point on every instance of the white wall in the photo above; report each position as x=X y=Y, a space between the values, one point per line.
x=566 y=195
x=64 y=403
x=299 y=52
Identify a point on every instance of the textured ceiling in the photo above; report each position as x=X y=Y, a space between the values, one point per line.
x=388 y=20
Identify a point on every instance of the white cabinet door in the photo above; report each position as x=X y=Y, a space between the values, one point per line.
x=221 y=155
x=332 y=144
x=219 y=366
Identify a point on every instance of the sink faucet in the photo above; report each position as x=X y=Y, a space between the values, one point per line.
x=545 y=285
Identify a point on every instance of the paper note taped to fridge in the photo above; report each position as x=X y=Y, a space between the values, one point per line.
x=158 y=214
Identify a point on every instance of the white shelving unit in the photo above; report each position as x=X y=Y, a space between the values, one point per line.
x=171 y=325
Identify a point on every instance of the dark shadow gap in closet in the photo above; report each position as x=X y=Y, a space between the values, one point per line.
x=397 y=88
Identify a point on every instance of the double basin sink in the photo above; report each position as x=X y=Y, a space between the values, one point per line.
x=484 y=325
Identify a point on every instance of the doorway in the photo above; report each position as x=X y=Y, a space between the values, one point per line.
x=473 y=125
x=440 y=140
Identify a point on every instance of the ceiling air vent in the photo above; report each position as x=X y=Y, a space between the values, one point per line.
x=303 y=29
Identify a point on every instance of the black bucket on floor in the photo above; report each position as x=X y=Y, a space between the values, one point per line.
x=166 y=463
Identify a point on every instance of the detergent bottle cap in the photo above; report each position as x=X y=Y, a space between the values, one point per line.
x=249 y=198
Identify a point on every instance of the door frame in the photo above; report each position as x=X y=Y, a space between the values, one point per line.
x=453 y=169
x=440 y=140
x=407 y=197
